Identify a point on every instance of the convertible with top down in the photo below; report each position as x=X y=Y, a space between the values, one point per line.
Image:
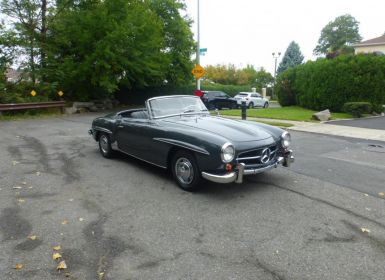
x=178 y=133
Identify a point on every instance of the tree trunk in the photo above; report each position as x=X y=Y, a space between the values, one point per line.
x=43 y=35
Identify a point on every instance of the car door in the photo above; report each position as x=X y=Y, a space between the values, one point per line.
x=224 y=100
x=134 y=137
x=257 y=100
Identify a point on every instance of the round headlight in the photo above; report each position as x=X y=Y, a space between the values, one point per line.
x=286 y=139
x=228 y=152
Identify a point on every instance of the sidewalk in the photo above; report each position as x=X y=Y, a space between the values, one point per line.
x=329 y=129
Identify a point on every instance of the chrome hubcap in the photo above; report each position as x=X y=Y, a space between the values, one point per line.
x=184 y=171
x=103 y=141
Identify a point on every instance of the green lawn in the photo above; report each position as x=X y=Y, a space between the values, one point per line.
x=293 y=113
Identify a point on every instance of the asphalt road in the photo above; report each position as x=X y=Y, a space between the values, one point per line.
x=373 y=123
x=124 y=219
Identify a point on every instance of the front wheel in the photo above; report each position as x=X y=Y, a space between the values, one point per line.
x=266 y=105
x=251 y=105
x=105 y=145
x=185 y=171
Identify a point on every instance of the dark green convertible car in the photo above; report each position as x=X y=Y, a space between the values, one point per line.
x=178 y=133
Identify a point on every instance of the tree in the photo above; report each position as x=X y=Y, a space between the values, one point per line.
x=338 y=35
x=291 y=58
x=263 y=79
x=178 y=40
x=28 y=20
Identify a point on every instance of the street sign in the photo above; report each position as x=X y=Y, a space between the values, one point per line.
x=60 y=93
x=198 y=71
x=33 y=93
x=203 y=50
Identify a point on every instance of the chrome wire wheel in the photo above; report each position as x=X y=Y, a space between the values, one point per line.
x=104 y=144
x=184 y=171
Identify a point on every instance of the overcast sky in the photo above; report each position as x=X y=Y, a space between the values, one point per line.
x=245 y=32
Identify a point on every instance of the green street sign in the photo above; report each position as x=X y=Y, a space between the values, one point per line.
x=203 y=50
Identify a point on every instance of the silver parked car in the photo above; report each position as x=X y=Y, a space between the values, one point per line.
x=252 y=99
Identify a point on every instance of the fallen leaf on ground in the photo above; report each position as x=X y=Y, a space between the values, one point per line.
x=38 y=173
x=61 y=265
x=381 y=194
x=365 y=230
x=64 y=222
x=16 y=187
x=57 y=248
x=56 y=256
x=21 y=200
x=67 y=274
x=23 y=183
x=32 y=237
x=71 y=199
x=101 y=275
x=368 y=209
x=365 y=194
x=14 y=162
x=18 y=266
x=81 y=219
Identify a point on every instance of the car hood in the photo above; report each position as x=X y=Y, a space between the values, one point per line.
x=233 y=130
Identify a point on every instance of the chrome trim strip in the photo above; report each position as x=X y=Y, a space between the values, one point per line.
x=183 y=145
x=227 y=178
x=246 y=158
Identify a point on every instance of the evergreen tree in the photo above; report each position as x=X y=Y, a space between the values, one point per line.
x=291 y=58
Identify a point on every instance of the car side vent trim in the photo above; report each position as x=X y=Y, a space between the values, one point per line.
x=183 y=145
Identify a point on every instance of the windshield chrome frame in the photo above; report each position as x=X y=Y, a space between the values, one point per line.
x=152 y=117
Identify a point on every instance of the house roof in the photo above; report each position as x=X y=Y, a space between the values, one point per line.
x=376 y=41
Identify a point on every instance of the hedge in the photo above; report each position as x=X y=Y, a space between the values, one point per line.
x=138 y=96
x=330 y=83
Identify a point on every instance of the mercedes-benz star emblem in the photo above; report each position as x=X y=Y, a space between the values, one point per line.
x=265 y=156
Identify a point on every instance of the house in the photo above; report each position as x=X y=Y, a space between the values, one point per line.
x=12 y=75
x=376 y=45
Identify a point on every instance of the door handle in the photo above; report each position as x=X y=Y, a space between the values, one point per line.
x=120 y=126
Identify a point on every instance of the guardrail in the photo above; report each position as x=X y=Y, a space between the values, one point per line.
x=33 y=105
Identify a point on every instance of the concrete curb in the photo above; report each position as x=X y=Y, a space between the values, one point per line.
x=328 y=129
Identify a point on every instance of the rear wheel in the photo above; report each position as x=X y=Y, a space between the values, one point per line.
x=105 y=145
x=185 y=171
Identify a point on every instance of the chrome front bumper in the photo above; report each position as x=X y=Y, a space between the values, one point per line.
x=240 y=171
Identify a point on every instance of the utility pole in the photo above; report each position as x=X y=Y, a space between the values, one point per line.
x=198 y=81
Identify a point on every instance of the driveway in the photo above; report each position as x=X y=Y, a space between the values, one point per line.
x=322 y=218
x=372 y=123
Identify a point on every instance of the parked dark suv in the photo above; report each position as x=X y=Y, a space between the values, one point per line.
x=218 y=100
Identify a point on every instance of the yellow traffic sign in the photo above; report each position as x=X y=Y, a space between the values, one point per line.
x=60 y=93
x=33 y=93
x=198 y=71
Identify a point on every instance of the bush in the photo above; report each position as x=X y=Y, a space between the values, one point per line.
x=330 y=83
x=357 y=109
x=378 y=108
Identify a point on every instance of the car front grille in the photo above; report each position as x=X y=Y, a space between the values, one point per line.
x=259 y=157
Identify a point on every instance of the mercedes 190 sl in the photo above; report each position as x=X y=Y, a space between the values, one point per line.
x=178 y=133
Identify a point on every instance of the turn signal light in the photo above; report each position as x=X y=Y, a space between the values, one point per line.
x=228 y=167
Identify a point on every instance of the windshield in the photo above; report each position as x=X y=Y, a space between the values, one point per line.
x=242 y=94
x=176 y=105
